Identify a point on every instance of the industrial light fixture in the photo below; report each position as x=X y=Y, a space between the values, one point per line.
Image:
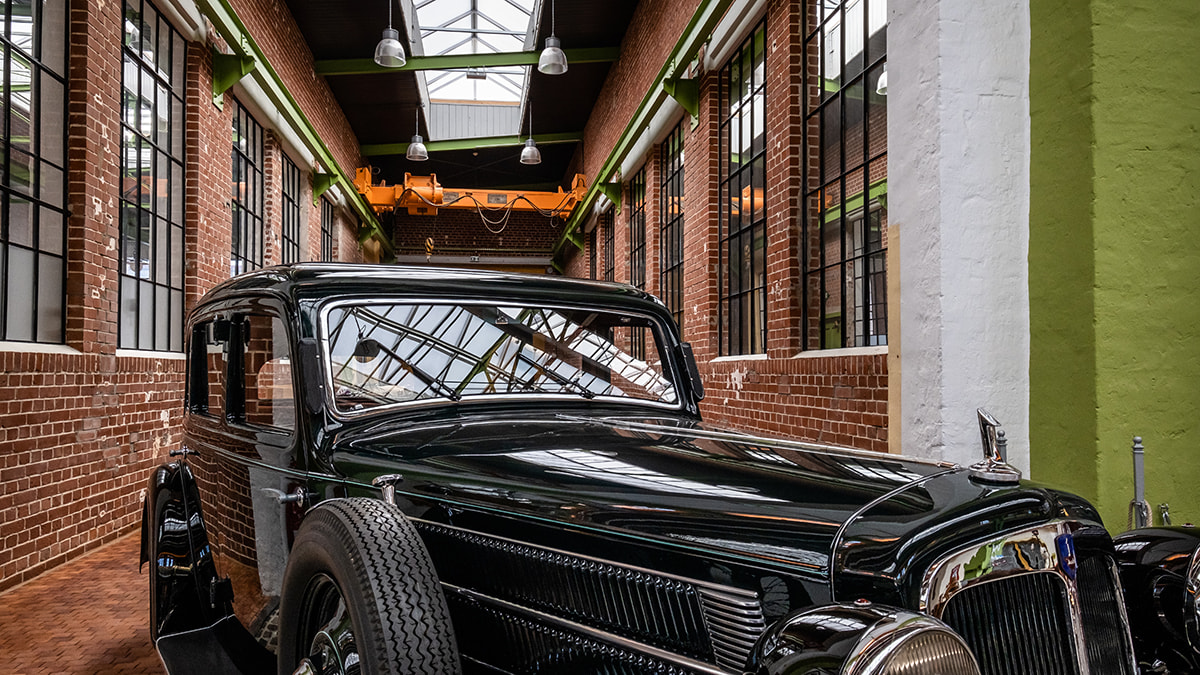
x=881 y=85
x=416 y=149
x=530 y=153
x=552 y=61
x=389 y=53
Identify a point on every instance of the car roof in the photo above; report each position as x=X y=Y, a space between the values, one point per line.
x=319 y=281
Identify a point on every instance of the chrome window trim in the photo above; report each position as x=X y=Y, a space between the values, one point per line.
x=948 y=577
x=664 y=351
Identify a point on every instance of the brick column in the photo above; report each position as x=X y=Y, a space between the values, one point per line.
x=93 y=179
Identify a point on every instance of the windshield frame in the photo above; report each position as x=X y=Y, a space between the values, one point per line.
x=670 y=367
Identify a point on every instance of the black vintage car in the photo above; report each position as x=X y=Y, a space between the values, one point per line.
x=412 y=470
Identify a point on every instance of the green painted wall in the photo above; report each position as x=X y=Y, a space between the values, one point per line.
x=1114 y=265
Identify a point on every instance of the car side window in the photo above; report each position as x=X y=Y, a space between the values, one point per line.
x=208 y=362
x=267 y=373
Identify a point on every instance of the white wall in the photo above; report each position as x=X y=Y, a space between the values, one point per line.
x=958 y=177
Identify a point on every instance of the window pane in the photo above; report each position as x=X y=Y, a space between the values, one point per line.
x=53 y=33
x=268 y=374
x=21 y=170
x=20 y=221
x=50 y=231
x=50 y=299
x=21 y=111
x=145 y=315
x=152 y=178
x=162 y=320
x=19 y=300
x=176 y=321
x=51 y=185
x=51 y=134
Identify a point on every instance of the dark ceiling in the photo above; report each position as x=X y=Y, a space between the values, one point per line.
x=380 y=106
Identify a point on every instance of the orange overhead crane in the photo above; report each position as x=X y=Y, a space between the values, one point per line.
x=424 y=196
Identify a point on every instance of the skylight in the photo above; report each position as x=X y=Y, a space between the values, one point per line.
x=475 y=27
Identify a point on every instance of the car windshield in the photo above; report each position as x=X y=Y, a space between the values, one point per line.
x=386 y=352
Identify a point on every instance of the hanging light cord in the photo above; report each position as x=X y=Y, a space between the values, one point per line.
x=389 y=14
x=506 y=210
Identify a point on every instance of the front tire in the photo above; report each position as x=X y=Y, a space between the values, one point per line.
x=361 y=595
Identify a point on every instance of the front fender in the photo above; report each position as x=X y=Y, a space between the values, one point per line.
x=1157 y=567
x=185 y=591
x=863 y=638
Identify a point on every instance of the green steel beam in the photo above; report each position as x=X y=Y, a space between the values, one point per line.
x=382 y=149
x=613 y=192
x=451 y=61
x=686 y=91
x=235 y=34
x=228 y=69
x=321 y=184
x=697 y=32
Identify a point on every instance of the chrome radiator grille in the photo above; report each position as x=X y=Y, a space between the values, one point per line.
x=1016 y=625
x=1024 y=623
x=705 y=622
x=1108 y=647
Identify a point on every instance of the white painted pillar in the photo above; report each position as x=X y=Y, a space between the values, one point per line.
x=958 y=177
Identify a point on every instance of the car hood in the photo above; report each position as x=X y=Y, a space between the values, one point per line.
x=770 y=502
x=774 y=501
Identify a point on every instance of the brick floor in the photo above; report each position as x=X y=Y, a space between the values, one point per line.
x=87 y=616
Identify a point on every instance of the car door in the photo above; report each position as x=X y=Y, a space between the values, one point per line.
x=241 y=422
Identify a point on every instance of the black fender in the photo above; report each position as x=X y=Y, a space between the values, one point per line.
x=1159 y=570
x=831 y=639
x=185 y=591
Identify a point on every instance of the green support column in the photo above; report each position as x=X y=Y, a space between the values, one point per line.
x=1114 y=268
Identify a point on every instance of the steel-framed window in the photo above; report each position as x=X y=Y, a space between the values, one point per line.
x=290 y=211
x=33 y=160
x=248 y=199
x=637 y=250
x=326 y=230
x=609 y=234
x=637 y=229
x=593 y=250
x=152 y=128
x=742 y=271
x=844 y=234
x=670 y=238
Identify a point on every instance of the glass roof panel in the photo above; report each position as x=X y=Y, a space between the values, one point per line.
x=475 y=27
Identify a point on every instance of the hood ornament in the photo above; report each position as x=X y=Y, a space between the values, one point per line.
x=995 y=467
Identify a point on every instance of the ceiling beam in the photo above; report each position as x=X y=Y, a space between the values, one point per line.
x=382 y=149
x=450 y=61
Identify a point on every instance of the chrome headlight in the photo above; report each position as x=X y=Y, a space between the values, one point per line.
x=910 y=644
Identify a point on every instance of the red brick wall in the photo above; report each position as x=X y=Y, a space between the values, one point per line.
x=652 y=33
x=82 y=426
x=827 y=397
x=279 y=38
